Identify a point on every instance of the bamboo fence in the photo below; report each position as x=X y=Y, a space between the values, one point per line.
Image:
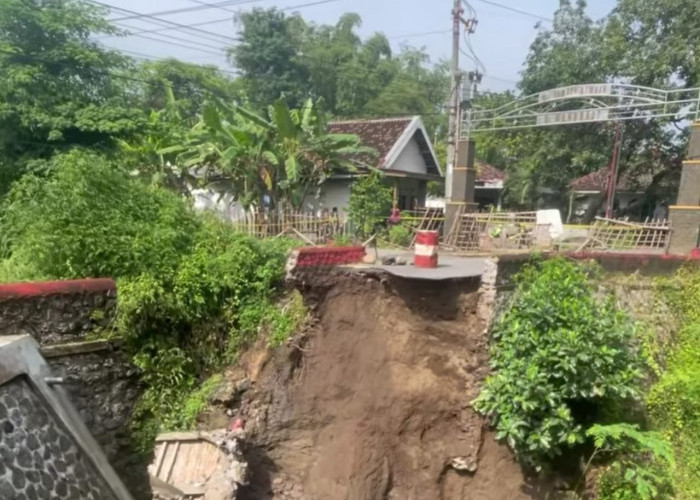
x=622 y=235
x=312 y=228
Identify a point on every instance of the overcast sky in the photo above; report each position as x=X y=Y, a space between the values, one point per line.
x=501 y=40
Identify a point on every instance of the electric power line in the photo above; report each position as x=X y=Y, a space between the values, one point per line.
x=501 y=79
x=425 y=33
x=172 y=37
x=160 y=30
x=517 y=11
x=310 y=4
x=217 y=21
x=175 y=44
x=141 y=55
x=473 y=56
x=472 y=11
x=219 y=6
x=201 y=6
x=152 y=19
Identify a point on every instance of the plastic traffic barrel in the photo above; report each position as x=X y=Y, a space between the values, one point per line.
x=426 y=249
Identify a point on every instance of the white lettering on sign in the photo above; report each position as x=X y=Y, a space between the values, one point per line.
x=596 y=89
x=577 y=116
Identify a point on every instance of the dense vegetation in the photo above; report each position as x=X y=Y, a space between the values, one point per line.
x=191 y=291
x=78 y=93
x=99 y=154
x=577 y=376
x=674 y=398
x=556 y=363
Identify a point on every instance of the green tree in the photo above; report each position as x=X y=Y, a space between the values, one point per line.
x=566 y=54
x=577 y=50
x=59 y=88
x=325 y=52
x=191 y=85
x=282 y=157
x=267 y=56
x=147 y=151
x=655 y=42
x=370 y=203
x=416 y=89
x=283 y=55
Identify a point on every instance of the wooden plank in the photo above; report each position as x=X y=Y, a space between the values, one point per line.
x=159 y=459
x=73 y=348
x=172 y=462
x=179 y=436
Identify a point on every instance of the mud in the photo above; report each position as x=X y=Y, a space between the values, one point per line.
x=372 y=403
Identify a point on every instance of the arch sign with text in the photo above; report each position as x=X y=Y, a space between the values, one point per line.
x=588 y=103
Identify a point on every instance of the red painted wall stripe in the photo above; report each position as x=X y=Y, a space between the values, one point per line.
x=329 y=256
x=43 y=288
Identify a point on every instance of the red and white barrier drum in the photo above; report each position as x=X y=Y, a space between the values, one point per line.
x=426 y=249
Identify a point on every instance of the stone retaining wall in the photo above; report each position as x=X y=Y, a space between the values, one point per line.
x=100 y=379
x=57 y=311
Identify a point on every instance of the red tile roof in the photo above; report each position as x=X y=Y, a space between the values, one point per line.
x=380 y=135
x=598 y=181
x=488 y=173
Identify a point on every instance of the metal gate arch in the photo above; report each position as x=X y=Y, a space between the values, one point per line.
x=586 y=103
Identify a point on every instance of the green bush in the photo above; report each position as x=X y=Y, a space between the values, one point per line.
x=400 y=236
x=90 y=219
x=642 y=463
x=674 y=400
x=556 y=350
x=370 y=204
x=191 y=291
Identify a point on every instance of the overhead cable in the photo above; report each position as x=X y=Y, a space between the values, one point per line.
x=517 y=11
x=153 y=19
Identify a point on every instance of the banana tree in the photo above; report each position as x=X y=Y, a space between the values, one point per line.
x=309 y=153
x=282 y=157
x=147 y=150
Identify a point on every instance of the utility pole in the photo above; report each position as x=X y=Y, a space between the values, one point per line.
x=461 y=175
x=454 y=118
x=612 y=176
x=474 y=78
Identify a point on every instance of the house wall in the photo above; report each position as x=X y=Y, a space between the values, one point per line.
x=333 y=193
x=626 y=205
x=224 y=206
x=411 y=192
x=410 y=160
x=336 y=193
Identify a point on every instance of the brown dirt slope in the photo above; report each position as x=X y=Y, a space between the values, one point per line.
x=373 y=403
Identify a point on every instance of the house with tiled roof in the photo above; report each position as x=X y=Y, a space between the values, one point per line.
x=405 y=155
x=629 y=193
x=489 y=186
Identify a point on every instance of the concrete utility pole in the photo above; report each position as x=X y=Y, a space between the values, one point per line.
x=461 y=175
x=454 y=118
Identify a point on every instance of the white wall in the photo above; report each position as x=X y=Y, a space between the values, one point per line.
x=410 y=160
x=225 y=207
x=333 y=193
